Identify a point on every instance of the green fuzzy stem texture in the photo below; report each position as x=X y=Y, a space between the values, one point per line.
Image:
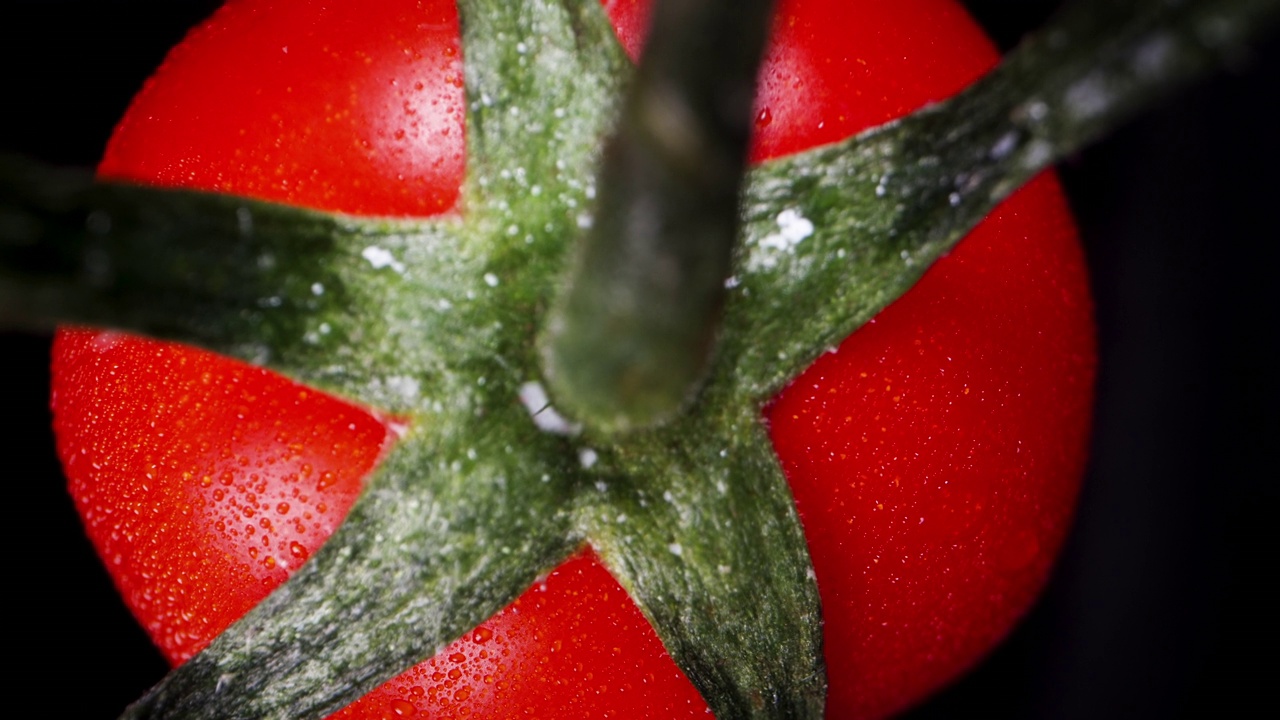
x=628 y=341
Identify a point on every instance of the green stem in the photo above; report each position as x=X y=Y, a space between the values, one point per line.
x=879 y=208
x=699 y=525
x=1096 y=65
x=629 y=339
x=267 y=283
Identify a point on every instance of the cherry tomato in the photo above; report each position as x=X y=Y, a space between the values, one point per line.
x=935 y=457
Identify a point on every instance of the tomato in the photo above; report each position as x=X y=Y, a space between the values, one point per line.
x=934 y=457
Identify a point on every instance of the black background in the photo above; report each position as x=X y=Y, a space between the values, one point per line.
x=1164 y=603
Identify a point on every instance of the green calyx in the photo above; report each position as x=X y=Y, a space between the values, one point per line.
x=438 y=322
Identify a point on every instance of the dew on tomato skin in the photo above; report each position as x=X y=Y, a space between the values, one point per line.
x=403 y=708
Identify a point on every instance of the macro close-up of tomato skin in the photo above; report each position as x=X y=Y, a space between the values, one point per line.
x=935 y=456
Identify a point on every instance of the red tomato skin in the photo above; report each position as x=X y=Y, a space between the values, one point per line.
x=934 y=458
x=201 y=481
x=394 y=146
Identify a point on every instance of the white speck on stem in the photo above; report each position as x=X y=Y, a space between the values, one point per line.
x=381 y=258
x=406 y=388
x=317 y=289
x=793 y=229
x=534 y=398
x=1004 y=146
x=588 y=458
x=676 y=549
x=1038 y=154
x=1088 y=97
x=244 y=221
x=491 y=280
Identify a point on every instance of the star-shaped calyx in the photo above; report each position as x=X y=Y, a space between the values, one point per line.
x=436 y=323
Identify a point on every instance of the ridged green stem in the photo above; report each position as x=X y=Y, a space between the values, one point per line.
x=629 y=338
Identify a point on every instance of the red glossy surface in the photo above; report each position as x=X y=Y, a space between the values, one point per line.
x=934 y=458
x=339 y=106
x=201 y=481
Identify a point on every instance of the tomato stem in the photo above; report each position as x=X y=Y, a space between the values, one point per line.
x=887 y=203
x=229 y=273
x=629 y=340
